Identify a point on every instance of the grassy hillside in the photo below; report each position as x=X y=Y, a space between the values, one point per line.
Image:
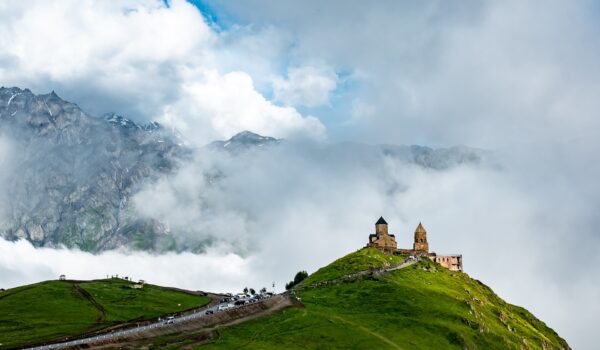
x=56 y=309
x=423 y=306
x=361 y=260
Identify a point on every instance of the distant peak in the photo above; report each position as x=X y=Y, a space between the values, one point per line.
x=52 y=96
x=116 y=119
x=121 y=121
x=245 y=140
x=249 y=135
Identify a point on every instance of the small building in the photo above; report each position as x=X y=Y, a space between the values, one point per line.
x=451 y=262
x=62 y=277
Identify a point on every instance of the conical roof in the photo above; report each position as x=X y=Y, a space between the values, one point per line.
x=381 y=221
x=420 y=229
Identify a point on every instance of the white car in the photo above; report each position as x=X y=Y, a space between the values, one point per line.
x=224 y=307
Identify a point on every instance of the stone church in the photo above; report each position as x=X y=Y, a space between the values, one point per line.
x=386 y=242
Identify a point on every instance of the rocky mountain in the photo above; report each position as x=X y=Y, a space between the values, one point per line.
x=71 y=174
x=427 y=157
x=243 y=141
x=70 y=177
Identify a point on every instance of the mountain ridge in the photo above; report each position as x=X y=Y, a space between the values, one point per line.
x=72 y=175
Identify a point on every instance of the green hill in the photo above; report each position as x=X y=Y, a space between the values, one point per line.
x=422 y=306
x=56 y=309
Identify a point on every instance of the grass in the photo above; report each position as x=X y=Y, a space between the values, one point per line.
x=361 y=260
x=56 y=309
x=423 y=306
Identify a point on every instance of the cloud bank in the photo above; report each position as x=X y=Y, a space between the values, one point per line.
x=269 y=213
x=21 y=263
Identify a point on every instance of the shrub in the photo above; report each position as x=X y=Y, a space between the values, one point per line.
x=300 y=276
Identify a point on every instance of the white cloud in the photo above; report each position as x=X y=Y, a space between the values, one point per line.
x=122 y=56
x=216 y=106
x=305 y=86
x=142 y=59
x=21 y=263
x=65 y=40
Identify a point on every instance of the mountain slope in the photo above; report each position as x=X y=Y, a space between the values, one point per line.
x=72 y=175
x=52 y=310
x=423 y=306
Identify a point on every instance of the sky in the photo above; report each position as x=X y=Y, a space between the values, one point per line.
x=513 y=77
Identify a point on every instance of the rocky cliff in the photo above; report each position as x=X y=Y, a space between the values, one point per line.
x=71 y=174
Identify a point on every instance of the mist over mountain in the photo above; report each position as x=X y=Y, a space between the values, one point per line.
x=70 y=177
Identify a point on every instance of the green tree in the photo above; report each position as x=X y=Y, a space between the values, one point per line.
x=300 y=276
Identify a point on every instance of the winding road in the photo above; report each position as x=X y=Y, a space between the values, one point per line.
x=165 y=327
x=189 y=319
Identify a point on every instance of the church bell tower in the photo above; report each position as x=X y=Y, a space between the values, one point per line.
x=421 y=244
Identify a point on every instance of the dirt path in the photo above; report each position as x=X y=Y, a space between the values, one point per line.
x=86 y=295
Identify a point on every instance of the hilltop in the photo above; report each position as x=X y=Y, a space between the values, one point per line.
x=421 y=306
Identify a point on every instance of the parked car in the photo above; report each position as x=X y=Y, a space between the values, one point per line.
x=225 y=307
x=209 y=312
